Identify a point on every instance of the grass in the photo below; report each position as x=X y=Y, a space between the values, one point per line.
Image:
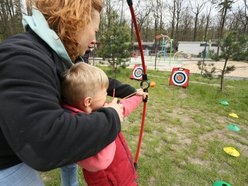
x=185 y=132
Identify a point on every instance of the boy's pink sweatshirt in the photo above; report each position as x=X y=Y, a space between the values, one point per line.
x=104 y=158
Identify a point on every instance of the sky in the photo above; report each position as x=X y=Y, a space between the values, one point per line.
x=119 y=3
x=127 y=16
x=126 y=12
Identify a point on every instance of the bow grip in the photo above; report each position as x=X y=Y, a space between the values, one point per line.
x=145 y=84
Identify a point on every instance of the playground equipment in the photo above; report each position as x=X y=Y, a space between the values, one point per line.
x=164 y=57
x=164 y=41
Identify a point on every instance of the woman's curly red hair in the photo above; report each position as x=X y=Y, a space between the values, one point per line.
x=67 y=17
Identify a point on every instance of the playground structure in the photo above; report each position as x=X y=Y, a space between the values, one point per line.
x=160 y=54
x=164 y=52
x=164 y=41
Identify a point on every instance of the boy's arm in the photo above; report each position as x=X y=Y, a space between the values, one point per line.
x=100 y=161
x=130 y=104
x=104 y=158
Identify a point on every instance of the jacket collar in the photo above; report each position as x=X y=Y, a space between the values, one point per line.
x=39 y=25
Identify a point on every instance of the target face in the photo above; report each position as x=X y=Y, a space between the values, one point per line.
x=179 y=78
x=137 y=72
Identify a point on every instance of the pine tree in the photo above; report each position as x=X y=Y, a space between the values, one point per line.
x=115 y=42
x=233 y=45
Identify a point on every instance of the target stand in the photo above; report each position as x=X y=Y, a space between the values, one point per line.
x=179 y=77
x=137 y=72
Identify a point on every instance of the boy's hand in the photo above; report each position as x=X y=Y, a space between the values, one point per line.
x=117 y=107
x=140 y=92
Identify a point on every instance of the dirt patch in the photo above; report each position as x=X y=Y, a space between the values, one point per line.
x=184 y=116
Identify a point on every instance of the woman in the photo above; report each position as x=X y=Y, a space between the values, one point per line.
x=36 y=133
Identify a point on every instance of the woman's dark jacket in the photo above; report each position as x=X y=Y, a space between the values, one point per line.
x=34 y=127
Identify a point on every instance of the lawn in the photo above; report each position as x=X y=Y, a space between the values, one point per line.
x=185 y=132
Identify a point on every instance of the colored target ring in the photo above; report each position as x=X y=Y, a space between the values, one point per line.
x=179 y=78
x=137 y=72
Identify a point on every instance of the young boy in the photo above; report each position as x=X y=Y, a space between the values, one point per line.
x=113 y=165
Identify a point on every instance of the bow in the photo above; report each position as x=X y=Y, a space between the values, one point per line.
x=144 y=83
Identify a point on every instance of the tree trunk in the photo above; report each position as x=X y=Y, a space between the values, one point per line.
x=207 y=25
x=178 y=17
x=173 y=19
x=132 y=34
x=177 y=31
x=155 y=27
x=146 y=32
x=222 y=76
x=246 y=17
x=195 y=26
x=222 y=24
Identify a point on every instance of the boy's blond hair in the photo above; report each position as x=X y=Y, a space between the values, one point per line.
x=81 y=81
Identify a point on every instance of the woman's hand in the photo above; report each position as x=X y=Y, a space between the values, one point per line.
x=117 y=107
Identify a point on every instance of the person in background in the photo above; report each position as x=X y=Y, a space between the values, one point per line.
x=113 y=165
x=35 y=131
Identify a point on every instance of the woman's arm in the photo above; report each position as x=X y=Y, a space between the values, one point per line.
x=121 y=90
x=32 y=121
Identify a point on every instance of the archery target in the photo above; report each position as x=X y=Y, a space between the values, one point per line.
x=137 y=72
x=179 y=77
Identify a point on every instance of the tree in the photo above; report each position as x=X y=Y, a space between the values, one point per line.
x=114 y=42
x=179 y=9
x=208 y=19
x=233 y=45
x=187 y=21
x=196 y=11
x=176 y=14
x=246 y=16
x=207 y=70
x=142 y=15
x=143 y=9
x=10 y=18
x=239 y=20
x=225 y=6
x=158 y=12
x=173 y=8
